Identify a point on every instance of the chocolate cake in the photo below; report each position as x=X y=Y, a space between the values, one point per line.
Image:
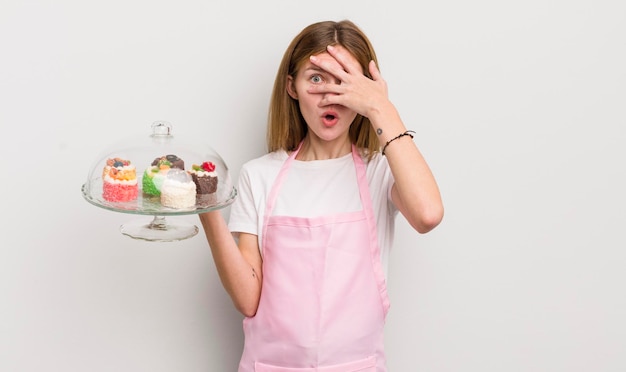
x=205 y=178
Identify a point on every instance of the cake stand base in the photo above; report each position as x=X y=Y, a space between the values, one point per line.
x=158 y=230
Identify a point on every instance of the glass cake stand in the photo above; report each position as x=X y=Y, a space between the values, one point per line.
x=141 y=152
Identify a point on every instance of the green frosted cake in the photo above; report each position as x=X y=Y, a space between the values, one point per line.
x=154 y=176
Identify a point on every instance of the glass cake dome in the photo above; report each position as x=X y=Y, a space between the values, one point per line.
x=159 y=176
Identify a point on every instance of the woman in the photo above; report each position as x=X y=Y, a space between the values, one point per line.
x=314 y=218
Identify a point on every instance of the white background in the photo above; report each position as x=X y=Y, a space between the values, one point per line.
x=519 y=107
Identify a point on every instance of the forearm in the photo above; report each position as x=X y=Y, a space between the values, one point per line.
x=415 y=192
x=237 y=270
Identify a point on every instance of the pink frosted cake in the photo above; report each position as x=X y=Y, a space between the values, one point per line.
x=178 y=190
x=119 y=181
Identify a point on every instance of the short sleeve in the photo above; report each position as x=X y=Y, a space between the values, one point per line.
x=381 y=183
x=243 y=214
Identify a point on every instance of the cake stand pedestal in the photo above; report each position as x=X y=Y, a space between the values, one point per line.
x=158 y=230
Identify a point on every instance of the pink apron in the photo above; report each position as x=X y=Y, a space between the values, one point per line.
x=324 y=300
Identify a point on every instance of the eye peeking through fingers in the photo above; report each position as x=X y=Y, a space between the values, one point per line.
x=316 y=79
x=323 y=79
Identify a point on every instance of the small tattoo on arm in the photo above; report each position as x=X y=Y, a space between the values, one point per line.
x=379 y=131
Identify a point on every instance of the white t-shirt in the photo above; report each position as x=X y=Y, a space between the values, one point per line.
x=313 y=188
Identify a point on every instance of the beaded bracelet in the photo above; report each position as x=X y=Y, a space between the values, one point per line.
x=407 y=133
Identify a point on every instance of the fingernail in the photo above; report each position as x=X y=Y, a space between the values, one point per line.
x=330 y=47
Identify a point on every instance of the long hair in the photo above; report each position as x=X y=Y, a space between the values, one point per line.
x=286 y=126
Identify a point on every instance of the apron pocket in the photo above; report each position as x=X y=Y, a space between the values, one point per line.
x=362 y=365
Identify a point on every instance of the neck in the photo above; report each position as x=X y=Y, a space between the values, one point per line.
x=320 y=150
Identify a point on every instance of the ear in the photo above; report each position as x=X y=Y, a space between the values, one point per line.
x=291 y=88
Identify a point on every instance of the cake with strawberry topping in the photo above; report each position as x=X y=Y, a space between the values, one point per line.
x=155 y=174
x=205 y=178
x=119 y=178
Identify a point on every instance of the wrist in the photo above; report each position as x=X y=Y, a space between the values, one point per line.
x=397 y=137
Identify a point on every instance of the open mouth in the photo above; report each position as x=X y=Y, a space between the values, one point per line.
x=330 y=118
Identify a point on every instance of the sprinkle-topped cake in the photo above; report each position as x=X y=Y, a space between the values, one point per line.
x=154 y=176
x=119 y=180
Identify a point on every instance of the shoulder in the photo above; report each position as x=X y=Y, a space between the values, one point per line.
x=262 y=163
x=378 y=170
x=377 y=161
x=262 y=170
x=380 y=180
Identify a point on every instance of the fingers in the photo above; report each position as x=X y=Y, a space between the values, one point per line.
x=374 y=71
x=350 y=86
x=330 y=65
x=341 y=55
x=341 y=63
